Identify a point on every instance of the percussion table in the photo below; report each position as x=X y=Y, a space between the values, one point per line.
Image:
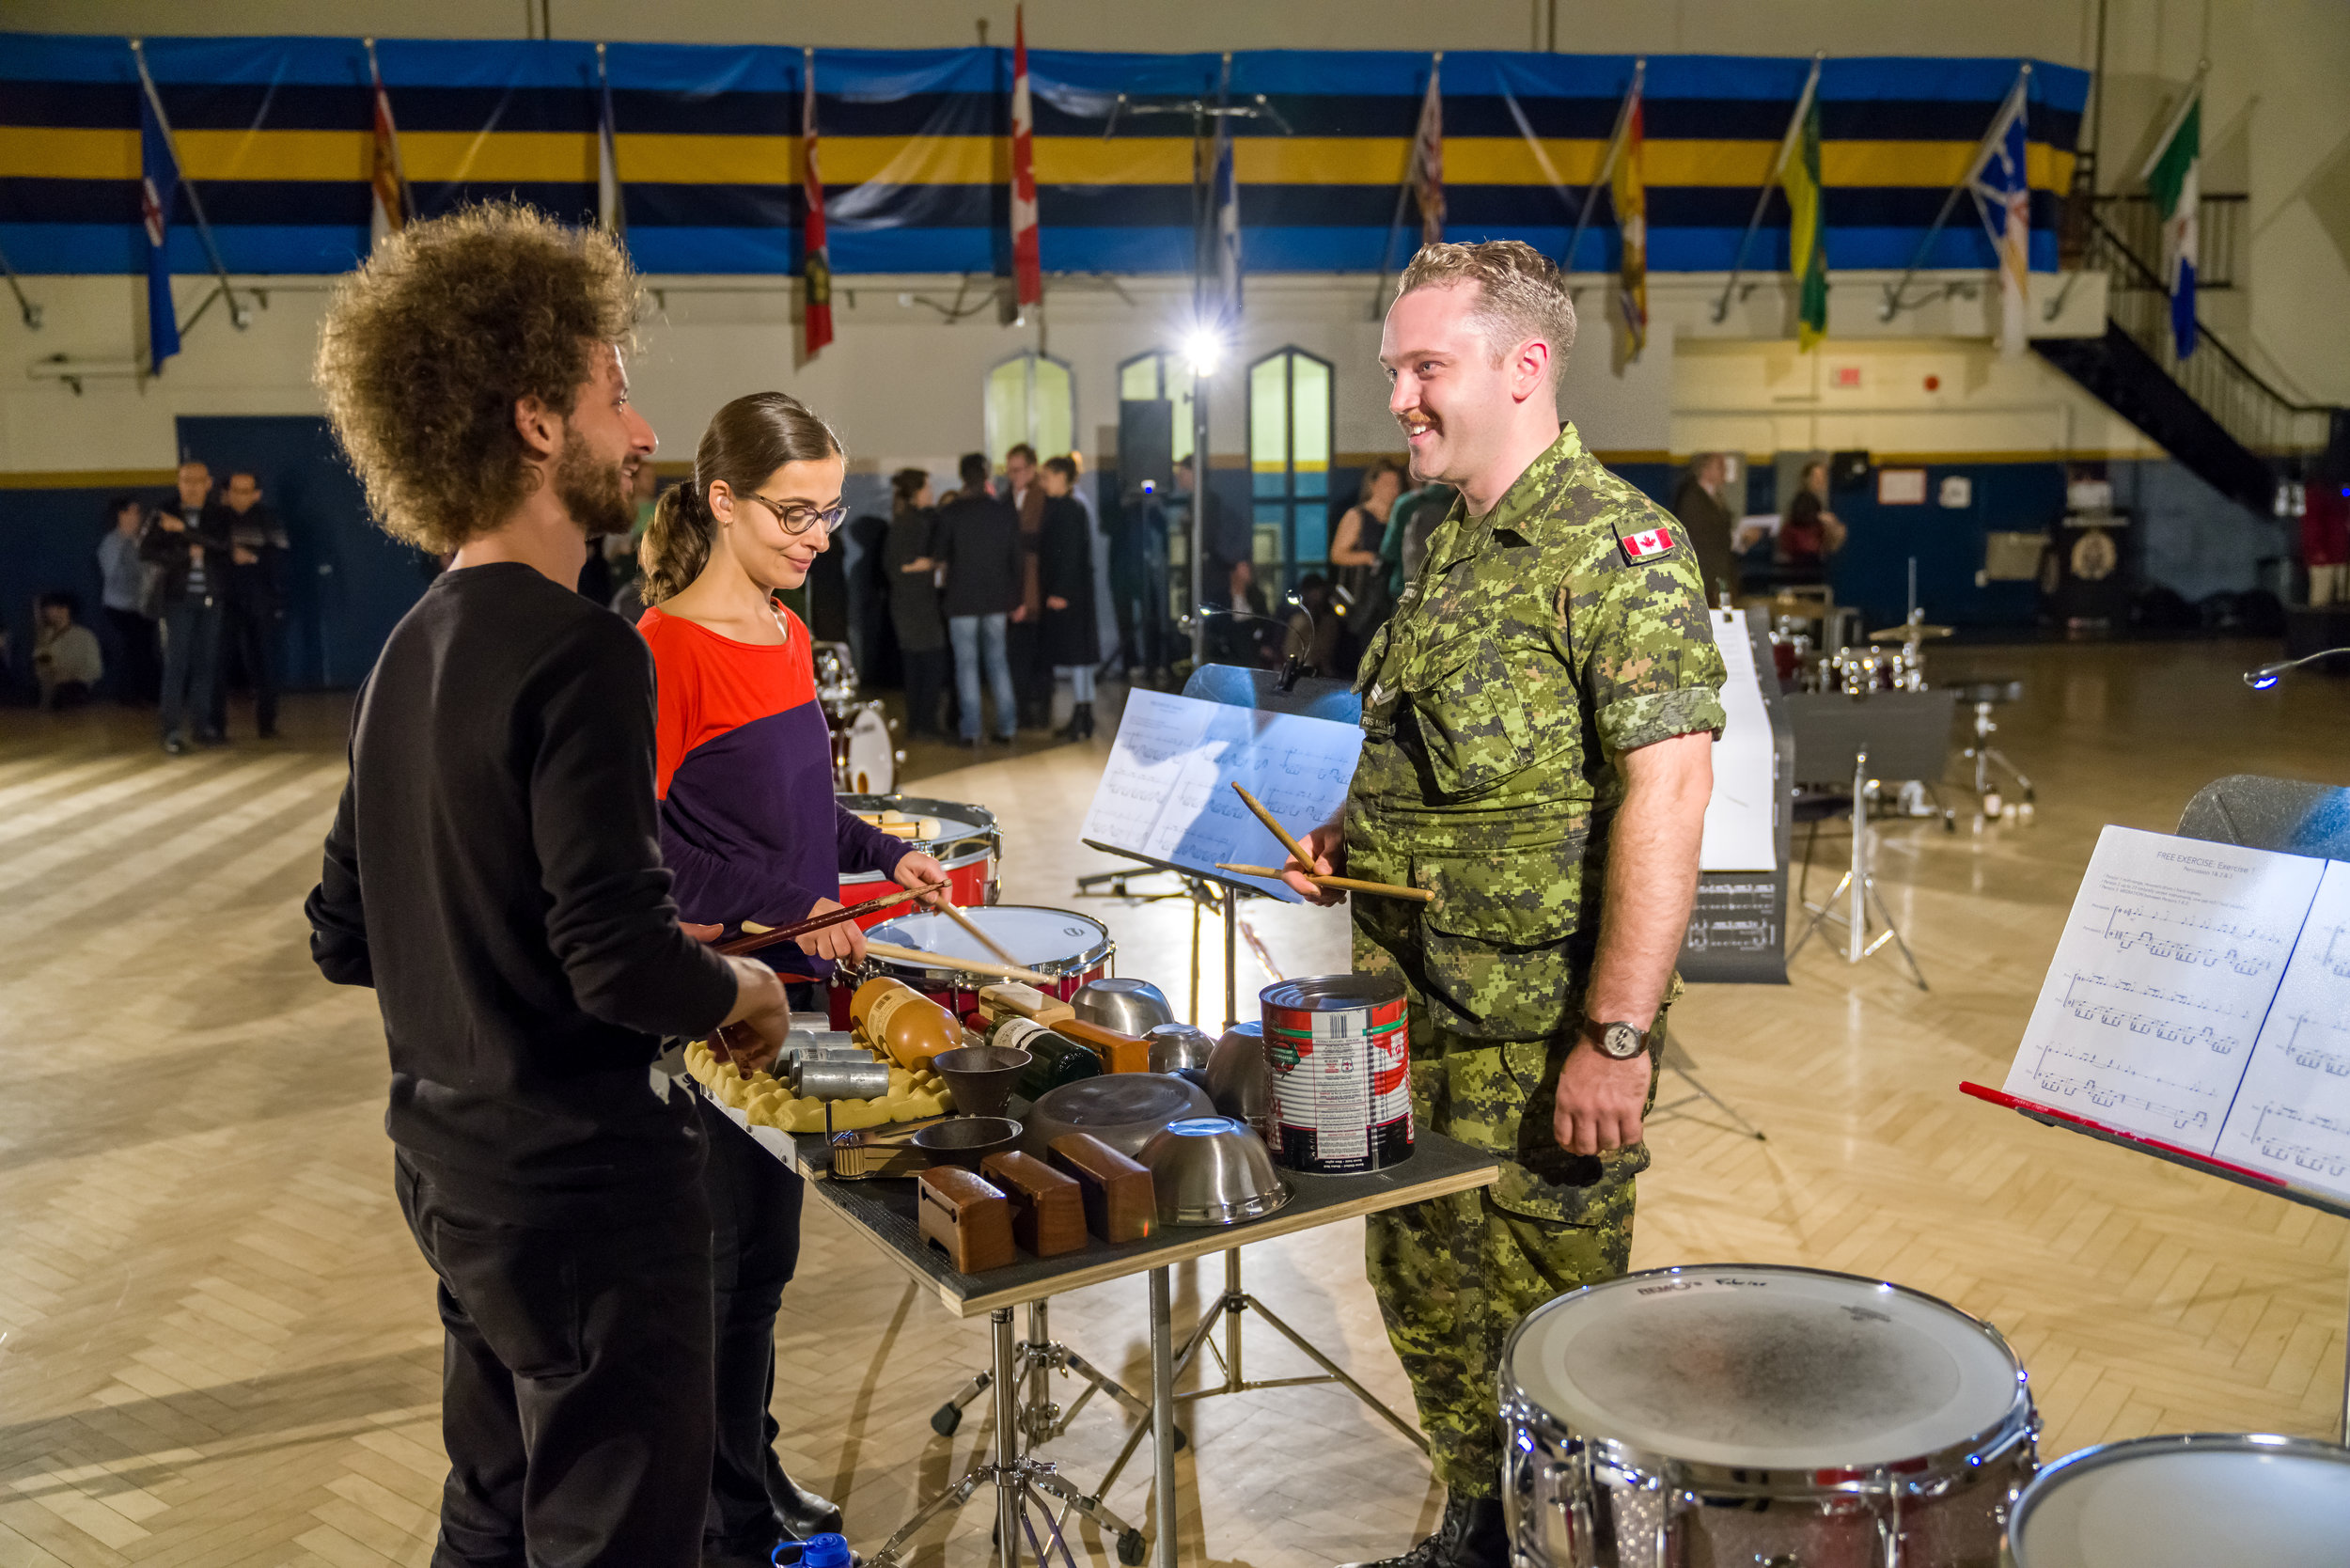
x=883 y=1210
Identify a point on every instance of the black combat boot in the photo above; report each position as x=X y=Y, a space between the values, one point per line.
x=802 y=1513
x=1470 y=1535
x=1080 y=725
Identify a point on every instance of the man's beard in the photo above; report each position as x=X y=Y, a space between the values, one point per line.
x=596 y=495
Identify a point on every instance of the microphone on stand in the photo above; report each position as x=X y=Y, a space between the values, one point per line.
x=2261 y=677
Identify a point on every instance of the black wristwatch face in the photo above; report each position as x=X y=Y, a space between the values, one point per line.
x=1621 y=1042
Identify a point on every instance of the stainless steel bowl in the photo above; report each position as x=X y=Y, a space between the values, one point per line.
x=965 y=1140
x=1175 y=1047
x=1239 y=1081
x=1129 y=1006
x=1123 y=1110
x=1212 y=1171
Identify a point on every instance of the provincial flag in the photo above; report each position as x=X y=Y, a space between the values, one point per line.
x=1427 y=159
x=390 y=212
x=1027 y=266
x=2174 y=177
x=1630 y=192
x=159 y=181
x=1227 y=232
x=2002 y=193
x=1807 y=231
x=815 y=257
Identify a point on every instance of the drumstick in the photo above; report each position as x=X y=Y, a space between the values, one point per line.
x=1345 y=883
x=755 y=938
x=980 y=936
x=1279 y=831
x=916 y=957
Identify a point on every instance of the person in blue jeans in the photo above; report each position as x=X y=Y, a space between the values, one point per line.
x=979 y=544
x=189 y=541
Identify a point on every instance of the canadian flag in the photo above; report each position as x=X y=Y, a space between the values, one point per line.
x=1028 y=270
x=1656 y=542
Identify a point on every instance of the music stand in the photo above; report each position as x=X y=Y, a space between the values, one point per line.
x=2289 y=816
x=1883 y=735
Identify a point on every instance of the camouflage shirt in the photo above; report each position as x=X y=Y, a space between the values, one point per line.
x=1539 y=644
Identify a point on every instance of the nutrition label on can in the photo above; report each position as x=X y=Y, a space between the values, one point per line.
x=1342 y=1088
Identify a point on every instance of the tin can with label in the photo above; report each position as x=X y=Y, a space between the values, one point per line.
x=1338 y=1049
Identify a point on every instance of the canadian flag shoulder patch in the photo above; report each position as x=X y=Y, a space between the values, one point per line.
x=1646 y=546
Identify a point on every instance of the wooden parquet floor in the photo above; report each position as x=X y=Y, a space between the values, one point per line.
x=217 y=1345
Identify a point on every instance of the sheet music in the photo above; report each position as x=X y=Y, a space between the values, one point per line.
x=2292 y=1116
x=1738 y=836
x=2161 y=982
x=1166 y=790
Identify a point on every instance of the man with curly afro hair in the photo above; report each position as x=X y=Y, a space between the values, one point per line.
x=495 y=874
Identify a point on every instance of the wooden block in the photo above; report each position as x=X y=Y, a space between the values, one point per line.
x=1048 y=1210
x=1119 y=1052
x=1014 y=999
x=966 y=1217
x=1119 y=1201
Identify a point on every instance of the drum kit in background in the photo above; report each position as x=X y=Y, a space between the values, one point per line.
x=1769 y=1417
x=864 y=758
x=1853 y=668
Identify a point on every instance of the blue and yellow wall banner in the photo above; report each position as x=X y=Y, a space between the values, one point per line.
x=276 y=133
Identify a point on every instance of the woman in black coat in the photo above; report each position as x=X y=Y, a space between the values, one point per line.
x=1065 y=575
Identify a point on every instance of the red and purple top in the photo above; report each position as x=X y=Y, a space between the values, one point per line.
x=750 y=825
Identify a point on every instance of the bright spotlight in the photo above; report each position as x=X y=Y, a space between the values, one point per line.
x=1203 y=350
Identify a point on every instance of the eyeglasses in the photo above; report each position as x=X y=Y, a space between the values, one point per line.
x=797 y=517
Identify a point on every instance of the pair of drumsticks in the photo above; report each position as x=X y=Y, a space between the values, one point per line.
x=1008 y=967
x=1343 y=884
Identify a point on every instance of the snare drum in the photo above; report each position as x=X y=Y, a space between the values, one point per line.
x=2194 y=1501
x=1698 y=1418
x=1069 y=948
x=967 y=843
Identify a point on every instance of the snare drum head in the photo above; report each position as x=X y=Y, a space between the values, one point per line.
x=2190 y=1501
x=1053 y=941
x=1777 y=1368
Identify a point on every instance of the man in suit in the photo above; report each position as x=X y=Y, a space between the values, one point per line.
x=1031 y=677
x=1698 y=505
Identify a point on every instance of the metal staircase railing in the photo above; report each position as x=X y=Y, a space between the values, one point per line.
x=2261 y=418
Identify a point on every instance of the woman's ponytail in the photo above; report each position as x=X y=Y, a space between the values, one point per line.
x=677 y=542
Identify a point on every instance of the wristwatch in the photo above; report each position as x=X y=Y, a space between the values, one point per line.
x=1616 y=1041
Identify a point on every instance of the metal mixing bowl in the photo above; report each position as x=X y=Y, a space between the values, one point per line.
x=1175 y=1047
x=1212 y=1171
x=1123 y=1110
x=1129 y=1006
x=1239 y=1080
x=965 y=1140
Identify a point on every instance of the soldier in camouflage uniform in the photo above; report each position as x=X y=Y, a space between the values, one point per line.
x=1547 y=638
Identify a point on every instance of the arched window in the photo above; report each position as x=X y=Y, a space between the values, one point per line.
x=1161 y=374
x=1033 y=398
x=1289 y=461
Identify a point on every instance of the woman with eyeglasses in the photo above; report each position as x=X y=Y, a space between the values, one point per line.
x=751 y=832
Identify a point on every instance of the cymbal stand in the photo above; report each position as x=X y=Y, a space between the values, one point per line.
x=1858 y=888
x=1985 y=757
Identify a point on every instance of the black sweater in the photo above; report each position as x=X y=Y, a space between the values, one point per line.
x=495 y=872
x=978 y=540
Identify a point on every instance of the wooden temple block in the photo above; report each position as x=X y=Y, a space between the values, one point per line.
x=1048 y=1211
x=966 y=1217
x=1120 y=1204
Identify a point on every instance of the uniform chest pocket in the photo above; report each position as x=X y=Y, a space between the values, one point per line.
x=1467 y=699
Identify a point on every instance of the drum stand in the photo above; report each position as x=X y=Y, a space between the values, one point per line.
x=1020 y=1479
x=1859 y=888
x=1986 y=756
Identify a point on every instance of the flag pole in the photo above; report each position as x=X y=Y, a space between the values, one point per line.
x=1606 y=164
x=1770 y=181
x=1403 y=194
x=1894 y=304
x=236 y=314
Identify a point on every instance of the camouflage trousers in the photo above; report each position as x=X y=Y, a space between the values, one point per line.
x=1454 y=1275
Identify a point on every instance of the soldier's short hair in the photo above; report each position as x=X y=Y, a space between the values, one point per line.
x=1521 y=292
